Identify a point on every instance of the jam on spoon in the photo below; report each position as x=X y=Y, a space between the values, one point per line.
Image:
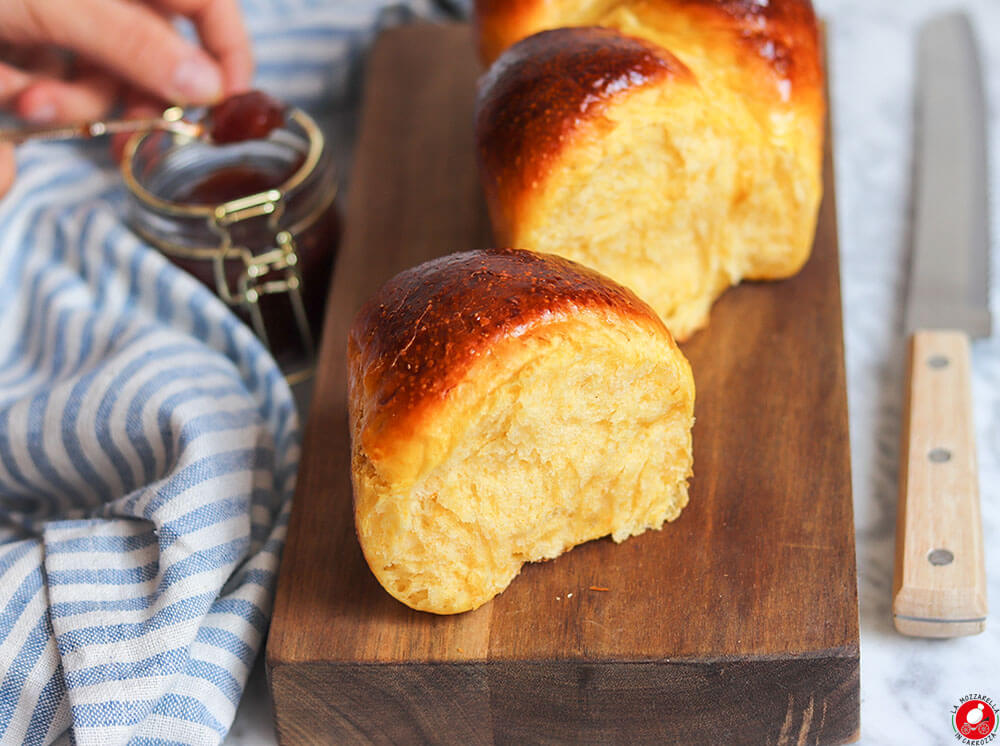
x=246 y=116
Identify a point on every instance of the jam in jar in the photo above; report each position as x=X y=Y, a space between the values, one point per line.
x=251 y=213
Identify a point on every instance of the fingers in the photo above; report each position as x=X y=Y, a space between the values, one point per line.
x=21 y=66
x=37 y=59
x=90 y=96
x=8 y=167
x=12 y=82
x=127 y=38
x=223 y=33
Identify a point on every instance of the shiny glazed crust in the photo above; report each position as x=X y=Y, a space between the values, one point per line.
x=573 y=122
x=415 y=340
x=780 y=34
x=534 y=99
x=769 y=53
x=503 y=406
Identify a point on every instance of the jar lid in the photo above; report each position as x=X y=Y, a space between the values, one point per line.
x=314 y=137
x=269 y=269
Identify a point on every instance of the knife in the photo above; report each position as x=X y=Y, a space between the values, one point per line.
x=939 y=588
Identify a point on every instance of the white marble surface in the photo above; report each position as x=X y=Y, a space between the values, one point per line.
x=908 y=685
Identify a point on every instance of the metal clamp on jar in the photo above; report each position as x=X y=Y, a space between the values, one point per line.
x=256 y=221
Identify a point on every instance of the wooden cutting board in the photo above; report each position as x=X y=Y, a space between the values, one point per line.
x=737 y=623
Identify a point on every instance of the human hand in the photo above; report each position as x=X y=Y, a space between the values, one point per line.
x=70 y=62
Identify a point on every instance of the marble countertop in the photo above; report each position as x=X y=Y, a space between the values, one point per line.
x=908 y=685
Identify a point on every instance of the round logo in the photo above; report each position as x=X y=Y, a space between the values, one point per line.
x=975 y=719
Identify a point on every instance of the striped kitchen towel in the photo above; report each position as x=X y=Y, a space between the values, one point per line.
x=148 y=442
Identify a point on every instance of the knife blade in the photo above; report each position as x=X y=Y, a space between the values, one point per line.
x=939 y=589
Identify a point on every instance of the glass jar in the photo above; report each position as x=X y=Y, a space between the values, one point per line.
x=255 y=221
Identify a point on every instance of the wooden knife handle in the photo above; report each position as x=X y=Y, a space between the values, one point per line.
x=940 y=577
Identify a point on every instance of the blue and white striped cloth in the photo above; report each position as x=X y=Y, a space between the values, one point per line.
x=148 y=442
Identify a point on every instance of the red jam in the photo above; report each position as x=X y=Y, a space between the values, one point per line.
x=316 y=245
x=211 y=177
x=234 y=182
x=246 y=116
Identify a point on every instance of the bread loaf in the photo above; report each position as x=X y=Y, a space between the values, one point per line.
x=677 y=149
x=504 y=407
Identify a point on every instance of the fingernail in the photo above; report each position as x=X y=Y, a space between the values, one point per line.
x=42 y=113
x=197 y=81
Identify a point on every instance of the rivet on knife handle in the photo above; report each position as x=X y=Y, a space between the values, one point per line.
x=940 y=578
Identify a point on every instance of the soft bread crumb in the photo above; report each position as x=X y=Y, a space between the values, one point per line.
x=677 y=181
x=589 y=436
x=674 y=201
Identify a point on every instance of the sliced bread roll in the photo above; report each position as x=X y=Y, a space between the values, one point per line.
x=506 y=406
x=678 y=151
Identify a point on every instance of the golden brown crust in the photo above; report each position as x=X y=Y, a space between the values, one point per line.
x=416 y=338
x=752 y=77
x=780 y=37
x=768 y=51
x=544 y=88
x=500 y=23
x=782 y=34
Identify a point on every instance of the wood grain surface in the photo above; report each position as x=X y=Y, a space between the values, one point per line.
x=738 y=623
x=939 y=585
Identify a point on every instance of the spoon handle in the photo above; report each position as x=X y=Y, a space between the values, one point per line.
x=87 y=130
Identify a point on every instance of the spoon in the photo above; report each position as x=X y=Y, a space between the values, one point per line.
x=171 y=120
x=245 y=116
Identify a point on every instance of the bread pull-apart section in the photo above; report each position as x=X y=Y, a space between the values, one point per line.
x=677 y=151
x=506 y=406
